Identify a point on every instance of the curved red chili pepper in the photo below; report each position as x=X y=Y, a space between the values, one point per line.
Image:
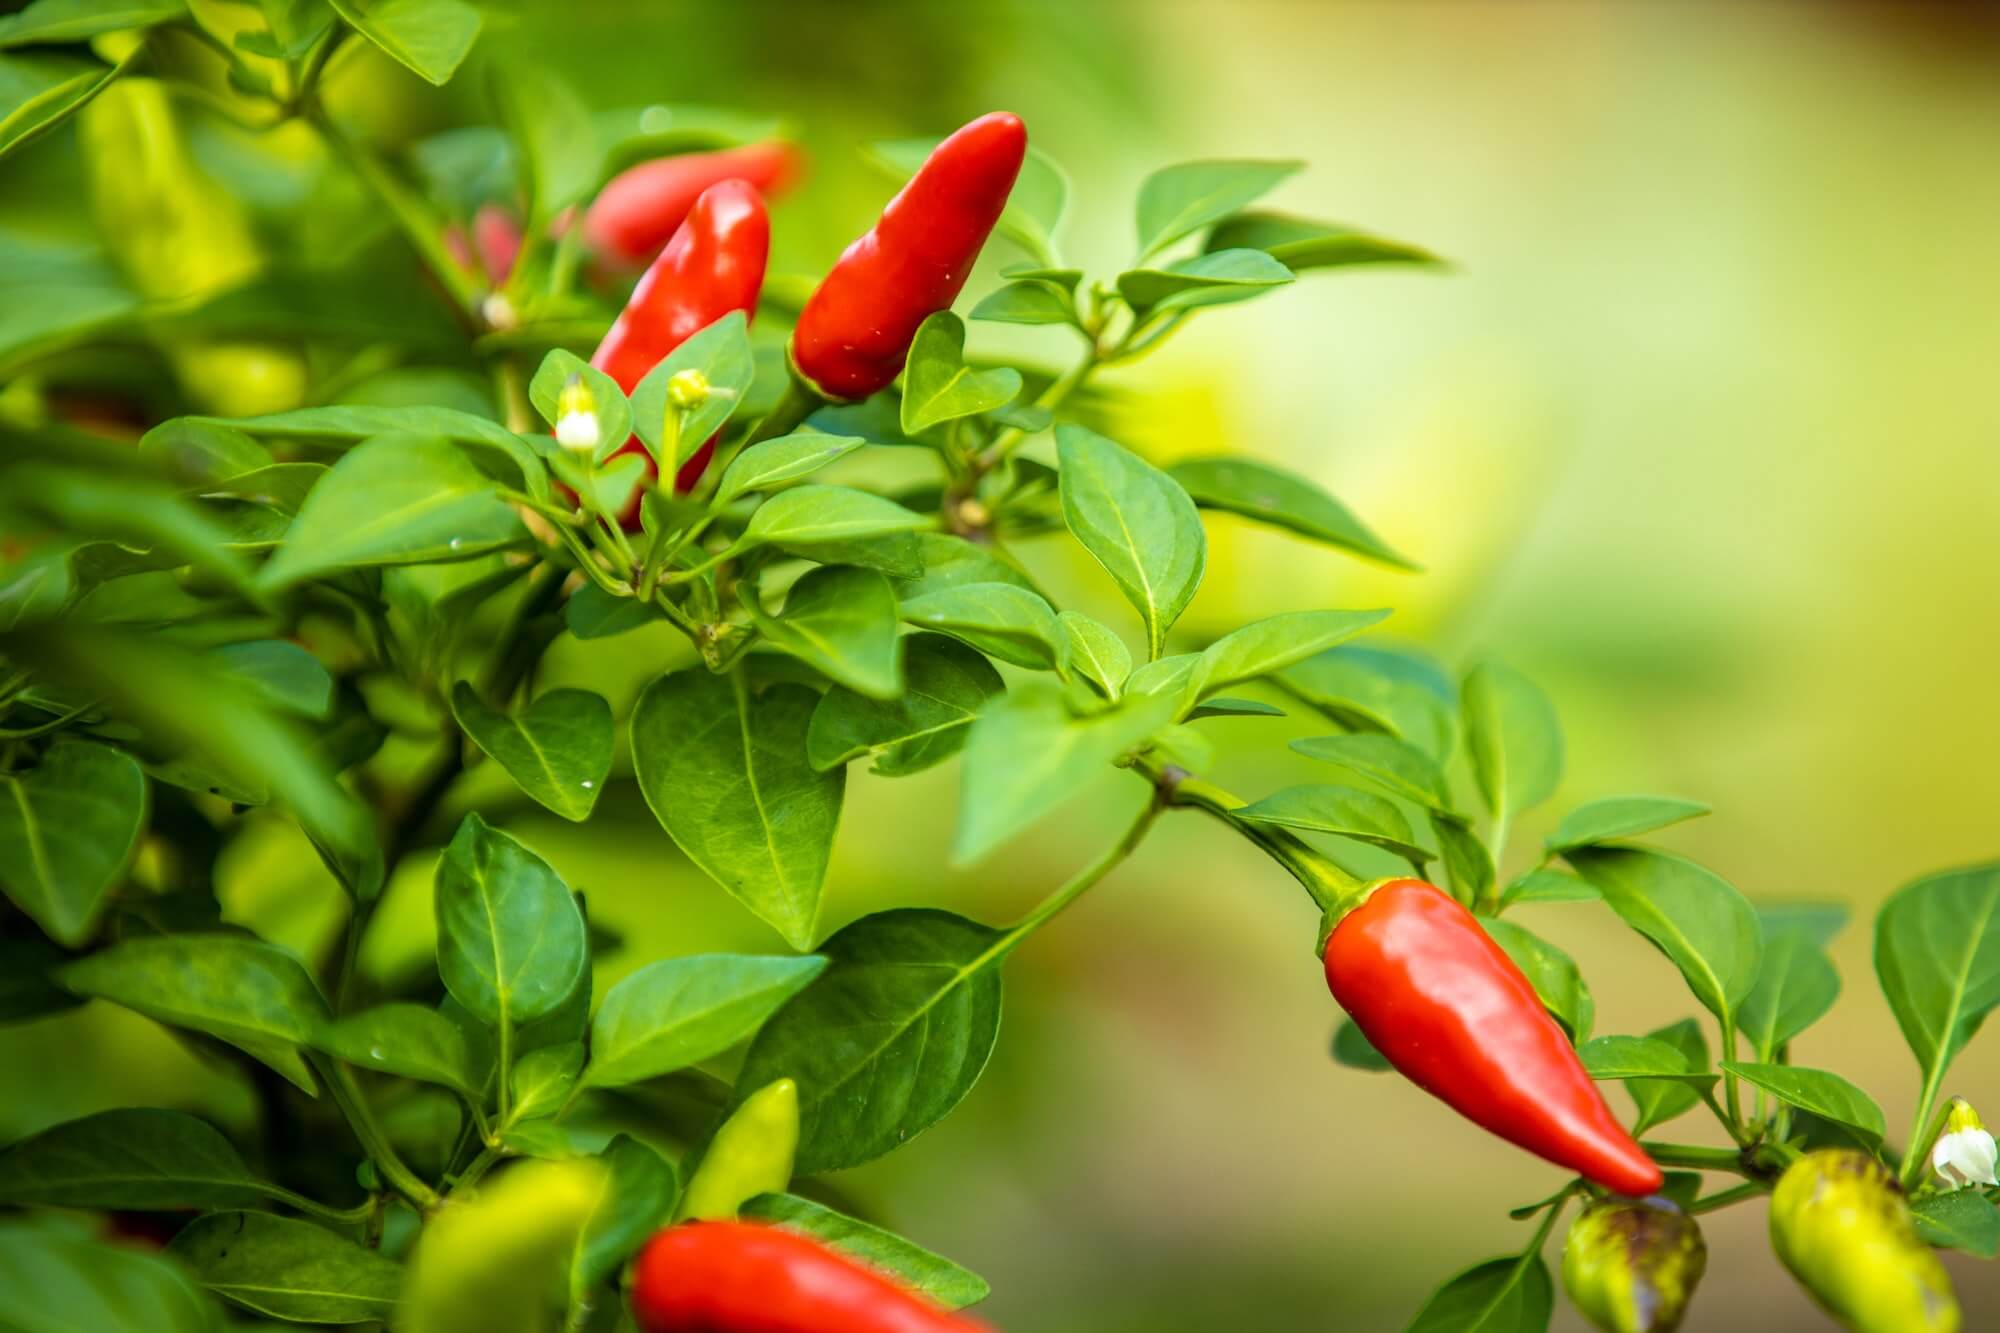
x=1449 y=1009
x=714 y=264
x=638 y=209
x=855 y=331
x=740 y=1277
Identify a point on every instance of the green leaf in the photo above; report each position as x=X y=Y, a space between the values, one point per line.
x=54 y=1280
x=763 y=467
x=1179 y=200
x=288 y=1269
x=396 y=500
x=841 y=620
x=1514 y=739
x=408 y=1040
x=889 y=1039
x=558 y=748
x=639 y=1199
x=721 y=352
x=614 y=413
x=1226 y=706
x=1689 y=913
x=67 y=827
x=810 y=519
x=945 y=685
x=250 y=994
x=1511 y=1295
x=1137 y=522
x=430 y=37
x=1342 y=811
x=557 y=155
x=1223 y=278
x=142 y=1158
x=543 y=1079
x=1959 y=1220
x=1795 y=987
x=1542 y=885
x=284 y=674
x=1828 y=1096
x=592 y=613
x=1026 y=303
x=999 y=619
x=48 y=22
x=1301 y=245
x=1399 y=769
x=1822 y=921
x=41 y=89
x=1094 y=652
x=727 y=777
x=1270 y=645
x=1633 y=1059
x=681 y=1011
x=1661 y=1100
x=950 y=562
x=938 y=386
x=354 y=422
x=1352 y=1048
x=938 y=1278
x=1379 y=689
x=1937 y=953
x=1027 y=755
x=510 y=934
x=1617 y=817
x=1551 y=972
x=1281 y=499
x=1466 y=857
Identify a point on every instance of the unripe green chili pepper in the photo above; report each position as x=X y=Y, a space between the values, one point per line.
x=1840 y=1223
x=744 y=1277
x=714 y=264
x=750 y=1155
x=855 y=331
x=1631 y=1265
x=1449 y=1009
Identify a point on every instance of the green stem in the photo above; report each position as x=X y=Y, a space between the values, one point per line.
x=1930 y=1120
x=1735 y=1131
x=1081 y=882
x=800 y=401
x=504 y=1067
x=1330 y=886
x=389 y=1164
x=359 y=1213
x=1534 y=1247
x=1051 y=398
x=1698 y=1158
x=1749 y=1189
x=409 y=209
x=1729 y=1091
x=477 y=1168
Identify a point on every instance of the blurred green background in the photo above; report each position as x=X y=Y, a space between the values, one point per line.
x=1700 y=433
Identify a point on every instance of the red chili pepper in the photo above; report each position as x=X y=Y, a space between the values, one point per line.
x=855 y=331
x=637 y=210
x=1449 y=1009
x=741 y=1277
x=497 y=237
x=714 y=264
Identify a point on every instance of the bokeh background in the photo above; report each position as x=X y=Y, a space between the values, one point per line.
x=1700 y=432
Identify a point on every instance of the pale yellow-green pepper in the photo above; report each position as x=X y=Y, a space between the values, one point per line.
x=1840 y=1223
x=1631 y=1265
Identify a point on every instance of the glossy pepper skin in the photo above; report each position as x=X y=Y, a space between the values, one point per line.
x=751 y=1154
x=1449 y=1009
x=1631 y=1265
x=855 y=331
x=714 y=264
x=1840 y=1223
x=638 y=210
x=742 y=1277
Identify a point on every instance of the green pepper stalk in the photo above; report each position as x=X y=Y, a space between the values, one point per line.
x=1840 y=1223
x=1630 y=1266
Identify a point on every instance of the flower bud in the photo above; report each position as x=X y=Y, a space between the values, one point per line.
x=1631 y=1265
x=1840 y=1223
x=750 y=1155
x=499 y=313
x=576 y=416
x=1964 y=1154
x=687 y=389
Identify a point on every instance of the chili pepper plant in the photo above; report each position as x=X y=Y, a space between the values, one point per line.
x=269 y=565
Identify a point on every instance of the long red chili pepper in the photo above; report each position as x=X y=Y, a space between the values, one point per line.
x=741 y=1277
x=855 y=331
x=1450 y=1010
x=638 y=209
x=714 y=264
